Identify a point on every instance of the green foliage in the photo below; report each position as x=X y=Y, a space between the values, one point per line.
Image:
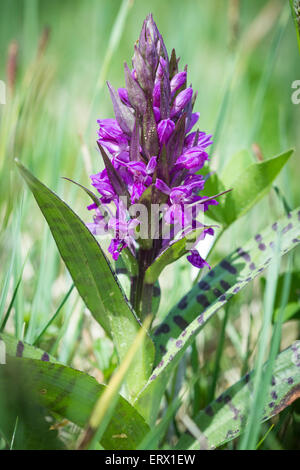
x=225 y=418
x=292 y=309
x=171 y=254
x=229 y=277
x=249 y=183
x=72 y=395
x=50 y=126
x=88 y=265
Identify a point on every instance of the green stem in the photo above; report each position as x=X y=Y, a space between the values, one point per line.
x=141 y=293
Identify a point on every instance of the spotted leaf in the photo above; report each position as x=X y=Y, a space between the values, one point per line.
x=231 y=275
x=225 y=418
x=17 y=348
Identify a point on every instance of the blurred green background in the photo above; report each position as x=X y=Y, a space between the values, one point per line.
x=56 y=55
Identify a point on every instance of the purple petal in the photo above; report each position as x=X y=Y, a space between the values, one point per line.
x=165 y=129
x=193 y=159
x=162 y=186
x=195 y=259
x=156 y=95
x=156 y=112
x=123 y=94
x=177 y=81
x=181 y=100
x=151 y=165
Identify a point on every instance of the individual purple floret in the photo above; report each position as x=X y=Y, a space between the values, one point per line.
x=151 y=153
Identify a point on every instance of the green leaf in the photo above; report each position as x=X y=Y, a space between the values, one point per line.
x=292 y=309
x=236 y=165
x=248 y=185
x=94 y=279
x=17 y=348
x=171 y=254
x=72 y=394
x=232 y=274
x=24 y=423
x=225 y=418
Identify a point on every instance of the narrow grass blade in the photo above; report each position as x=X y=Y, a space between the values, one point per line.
x=262 y=377
x=105 y=406
x=39 y=336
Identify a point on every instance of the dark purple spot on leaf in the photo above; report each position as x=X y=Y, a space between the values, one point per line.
x=272 y=404
x=275 y=226
x=217 y=292
x=252 y=266
x=274 y=395
x=181 y=322
x=201 y=299
x=225 y=284
x=204 y=285
x=244 y=255
x=164 y=328
x=45 y=357
x=20 y=349
x=290 y=380
x=287 y=228
x=273 y=382
x=179 y=343
x=183 y=303
x=156 y=291
x=258 y=238
x=211 y=273
x=228 y=267
x=262 y=246
x=209 y=411
x=200 y=319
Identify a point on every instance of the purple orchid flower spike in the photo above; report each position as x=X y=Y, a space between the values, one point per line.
x=155 y=155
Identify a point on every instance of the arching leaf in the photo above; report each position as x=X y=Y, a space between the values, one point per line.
x=225 y=418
